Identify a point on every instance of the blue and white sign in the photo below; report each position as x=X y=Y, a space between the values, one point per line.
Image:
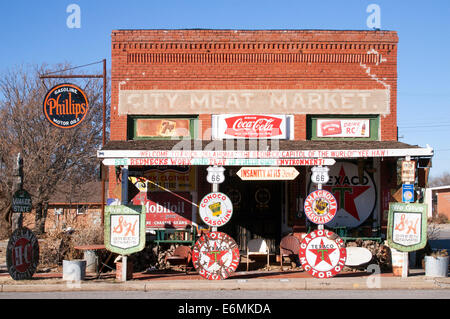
x=408 y=193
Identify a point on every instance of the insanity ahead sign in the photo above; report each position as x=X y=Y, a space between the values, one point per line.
x=254 y=101
x=65 y=106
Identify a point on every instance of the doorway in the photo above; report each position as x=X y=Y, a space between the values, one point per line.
x=257 y=210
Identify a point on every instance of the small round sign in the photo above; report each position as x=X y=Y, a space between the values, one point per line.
x=216 y=209
x=22 y=254
x=322 y=254
x=215 y=256
x=320 y=206
x=65 y=105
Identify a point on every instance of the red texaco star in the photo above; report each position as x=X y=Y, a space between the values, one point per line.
x=215 y=255
x=322 y=254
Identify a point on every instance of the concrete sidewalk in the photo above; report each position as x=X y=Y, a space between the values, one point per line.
x=240 y=281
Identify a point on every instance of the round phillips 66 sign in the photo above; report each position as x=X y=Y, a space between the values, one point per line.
x=215 y=256
x=22 y=254
x=322 y=254
x=320 y=206
x=65 y=105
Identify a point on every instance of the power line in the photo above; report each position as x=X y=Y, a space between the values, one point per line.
x=73 y=68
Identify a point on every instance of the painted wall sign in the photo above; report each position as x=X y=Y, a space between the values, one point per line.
x=65 y=105
x=254 y=101
x=169 y=127
x=267 y=173
x=320 y=206
x=356 y=198
x=22 y=254
x=322 y=254
x=21 y=202
x=408 y=172
x=165 y=210
x=124 y=229
x=249 y=126
x=215 y=256
x=407 y=226
x=343 y=128
x=216 y=209
x=179 y=178
x=219 y=162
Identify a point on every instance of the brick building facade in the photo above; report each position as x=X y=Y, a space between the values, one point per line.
x=334 y=93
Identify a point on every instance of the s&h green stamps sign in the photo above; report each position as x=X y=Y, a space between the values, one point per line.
x=124 y=228
x=407 y=226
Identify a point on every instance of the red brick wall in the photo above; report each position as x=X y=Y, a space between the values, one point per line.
x=238 y=59
x=443 y=203
x=229 y=59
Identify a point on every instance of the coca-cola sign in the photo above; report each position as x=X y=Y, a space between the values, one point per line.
x=249 y=126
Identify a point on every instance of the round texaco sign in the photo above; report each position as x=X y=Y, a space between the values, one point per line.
x=216 y=209
x=215 y=256
x=322 y=254
x=320 y=206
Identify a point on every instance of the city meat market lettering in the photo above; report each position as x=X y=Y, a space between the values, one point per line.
x=65 y=106
x=254 y=101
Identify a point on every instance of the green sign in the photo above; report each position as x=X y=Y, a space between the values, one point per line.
x=125 y=228
x=21 y=202
x=407 y=226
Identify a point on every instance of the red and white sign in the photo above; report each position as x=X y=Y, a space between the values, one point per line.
x=320 y=206
x=22 y=254
x=216 y=209
x=322 y=254
x=215 y=256
x=249 y=126
x=343 y=128
x=165 y=210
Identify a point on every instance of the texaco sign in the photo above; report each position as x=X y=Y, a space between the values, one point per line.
x=216 y=209
x=356 y=198
x=320 y=207
x=215 y=256
x=22 y=254
x=322 y=254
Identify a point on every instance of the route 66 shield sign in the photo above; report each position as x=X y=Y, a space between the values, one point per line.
x=320 y=175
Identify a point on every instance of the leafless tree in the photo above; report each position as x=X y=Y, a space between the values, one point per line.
x=52 y=156
x=442 y=180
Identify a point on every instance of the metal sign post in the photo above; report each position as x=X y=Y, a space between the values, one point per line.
x=215 y=177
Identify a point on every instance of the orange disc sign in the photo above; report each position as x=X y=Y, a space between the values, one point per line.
x=65 y=105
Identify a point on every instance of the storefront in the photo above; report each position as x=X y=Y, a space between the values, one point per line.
x=285 y=101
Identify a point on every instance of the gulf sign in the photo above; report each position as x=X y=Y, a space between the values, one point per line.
x=249 y=126
x=65 y=105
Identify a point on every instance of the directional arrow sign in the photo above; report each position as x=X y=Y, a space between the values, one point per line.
x=267 y=173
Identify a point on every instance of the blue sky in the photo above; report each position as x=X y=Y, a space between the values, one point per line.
x=35 y=32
